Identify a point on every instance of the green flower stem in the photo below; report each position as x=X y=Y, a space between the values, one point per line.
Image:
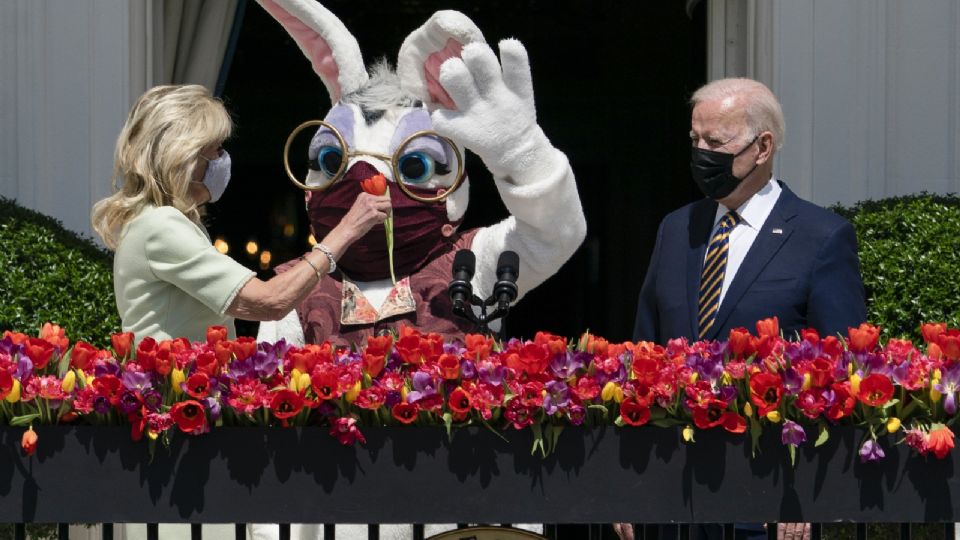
x=388 y=225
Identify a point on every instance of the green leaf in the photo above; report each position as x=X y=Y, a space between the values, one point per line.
x=537 y=438
x=554 y=435
x=890 y=403
x=448 y=422
x=24 y=420
x=64 y=363
x=755 y=431
x=824 y=436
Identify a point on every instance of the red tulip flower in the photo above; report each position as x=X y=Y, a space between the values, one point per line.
x=54 y=335
x=189 y=416
x=940 y=441
x=286 y=404
x=875 y=390
x=215 y=334
x=863 y=338
x=39 y=351
x=766 y=390
x=81 y=355
x=949 y=342
x=404 y=412
x=459 y=401
x=122 y=344
x=634 y=412
x=930 y=331
x=375 y=185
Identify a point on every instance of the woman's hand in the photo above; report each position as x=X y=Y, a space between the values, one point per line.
x=368 y=210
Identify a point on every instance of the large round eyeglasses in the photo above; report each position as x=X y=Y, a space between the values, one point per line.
x=419 y=160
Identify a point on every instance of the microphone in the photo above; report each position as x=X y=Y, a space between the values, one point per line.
x=460 y=290
x=508 y=268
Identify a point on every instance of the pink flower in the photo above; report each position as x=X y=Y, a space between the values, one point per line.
x=345 y=430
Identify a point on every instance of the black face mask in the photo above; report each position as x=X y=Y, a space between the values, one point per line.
x=713 y=171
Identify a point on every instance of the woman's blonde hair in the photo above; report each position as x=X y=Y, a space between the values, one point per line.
x=156 y=153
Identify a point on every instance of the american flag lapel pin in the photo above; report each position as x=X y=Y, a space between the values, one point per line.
x=778 y=231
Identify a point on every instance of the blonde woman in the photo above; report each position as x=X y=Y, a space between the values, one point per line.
x=169 y=279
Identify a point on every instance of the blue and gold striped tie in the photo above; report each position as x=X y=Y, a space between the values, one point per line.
x=714 y=267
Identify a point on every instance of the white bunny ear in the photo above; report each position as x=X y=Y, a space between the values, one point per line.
x=425 y=49
x=324 y=39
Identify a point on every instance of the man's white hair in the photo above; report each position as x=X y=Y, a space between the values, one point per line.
x=761 y=109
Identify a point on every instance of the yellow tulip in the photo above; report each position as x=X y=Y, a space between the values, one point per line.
x=774 y=416
x=807 y=381
x=693 y=377
x=352 y=394
x=893 y=425
x=69 y=381
x=725 y=379
x=177 y=377
x=855 y=384
x=152 y=434
x=688 y=433
x=609 y=390
x=14 y=395
x=403 y=394
x=748 y=409
x=934 y=394
x=303 y=382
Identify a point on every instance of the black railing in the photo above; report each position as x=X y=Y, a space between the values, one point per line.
x=645 y=475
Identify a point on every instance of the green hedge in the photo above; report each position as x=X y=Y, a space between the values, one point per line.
x=909 y=258
x=48 y=273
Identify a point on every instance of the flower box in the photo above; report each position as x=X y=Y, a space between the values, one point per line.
x=415 y=474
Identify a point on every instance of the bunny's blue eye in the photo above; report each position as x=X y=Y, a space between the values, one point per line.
x=418 y=167
x=328 y=160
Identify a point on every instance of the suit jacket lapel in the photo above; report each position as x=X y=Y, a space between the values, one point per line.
x=701 y=223
x=764 y=247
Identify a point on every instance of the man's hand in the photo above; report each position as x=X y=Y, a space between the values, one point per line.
x=623 y=530
x=793 y=531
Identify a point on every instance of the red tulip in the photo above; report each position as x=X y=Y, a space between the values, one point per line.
x=122 y=343
x=863 y=338
x=875 y=390
x=949 y=342
x=375 y=185
x=930 y=331
x=766 y=389
x=459 y=401
x=189 y=416
x=740 y=342
x=39 y=351
x=940 y=441
x=215 y=334
x=404 y=412
x=633 y=412
x=81 y=355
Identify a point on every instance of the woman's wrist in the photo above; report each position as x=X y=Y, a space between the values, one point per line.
x=328 y=253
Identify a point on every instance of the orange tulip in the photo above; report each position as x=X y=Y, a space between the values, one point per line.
x=29 y=441
x=930 y=331
x=122 y=343
x=55 y=335
x=863 y=338
x=940 y=441
x=375 y=185
x=768 y=327
x=949 y=342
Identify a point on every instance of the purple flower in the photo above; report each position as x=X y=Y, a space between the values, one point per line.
x=792 y=381
x=135 y=380
x=727 y=393
x=129 y=402
x=106 y=367
x=101 y=404
x=467 y=370
x=265 y=364
x=277 y=350
x=424 y=385
x=213 y=405
x=24 y=368
x=793 y=433
x=557 y=398
x=491 y=374
x=576 y=413
x=152 y=400
x=948 y=386
x=871 y=451
x=565 y=364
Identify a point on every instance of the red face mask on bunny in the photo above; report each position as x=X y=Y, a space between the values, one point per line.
x=418 y=228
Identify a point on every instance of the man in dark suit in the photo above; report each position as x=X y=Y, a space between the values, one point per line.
x=752 y=249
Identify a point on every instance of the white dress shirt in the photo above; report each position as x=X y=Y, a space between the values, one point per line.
x=753 y=214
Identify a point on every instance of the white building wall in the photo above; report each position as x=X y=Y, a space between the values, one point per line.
x=65 y=88
x=870 y=90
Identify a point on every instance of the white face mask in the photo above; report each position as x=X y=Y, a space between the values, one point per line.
x=217 y=176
